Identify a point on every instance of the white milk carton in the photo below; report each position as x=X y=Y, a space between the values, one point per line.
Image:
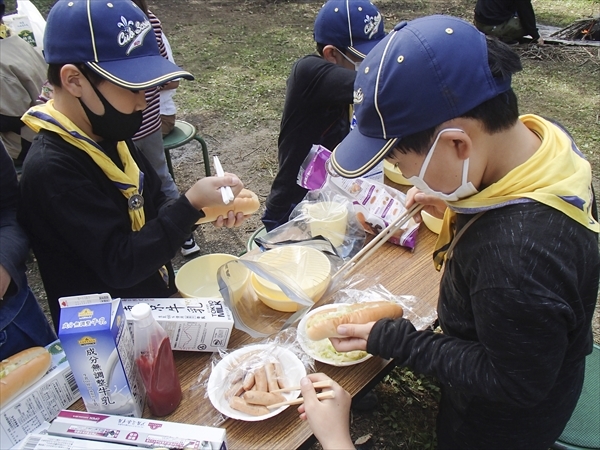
x=94 y=333
x=192 y=324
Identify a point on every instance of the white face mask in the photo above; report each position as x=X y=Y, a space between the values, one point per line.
x=356 y=64
x=466 y=188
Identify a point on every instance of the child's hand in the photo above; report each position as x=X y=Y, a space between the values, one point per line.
x=329 y=419
x=432 y=204
x=207 y=191
x=355 y=337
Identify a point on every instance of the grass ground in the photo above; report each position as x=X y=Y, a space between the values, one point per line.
x=241 y=51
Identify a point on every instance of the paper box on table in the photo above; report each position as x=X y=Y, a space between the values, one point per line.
x=98 y=344
x=41 y=402
x=193 y=324
x=47 y=441
x=134 y=431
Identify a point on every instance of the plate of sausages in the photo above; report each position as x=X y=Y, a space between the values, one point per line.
x=245 y=383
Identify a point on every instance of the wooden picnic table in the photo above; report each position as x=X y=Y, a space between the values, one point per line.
x=397 y=269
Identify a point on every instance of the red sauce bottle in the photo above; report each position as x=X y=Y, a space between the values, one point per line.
x=155 y=363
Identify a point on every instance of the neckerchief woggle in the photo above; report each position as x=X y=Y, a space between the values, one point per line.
x=129 y=181
x=557 y=175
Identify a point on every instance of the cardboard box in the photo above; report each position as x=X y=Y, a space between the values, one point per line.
x=140 y=432
x=46 y=441
x=41 y=402
x=97 y=341
x=192 y=324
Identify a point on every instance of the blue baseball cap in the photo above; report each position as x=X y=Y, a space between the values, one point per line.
x=355 y=25
x=424 y=73
x=114 y=38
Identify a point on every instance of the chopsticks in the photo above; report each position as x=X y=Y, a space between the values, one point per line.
x=377 y=242
x=226 y=191
x=316 y=385
x=298 y=401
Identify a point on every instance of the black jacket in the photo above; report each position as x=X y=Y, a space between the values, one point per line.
x=516 y=303
x=79 y=226
x=316 y=111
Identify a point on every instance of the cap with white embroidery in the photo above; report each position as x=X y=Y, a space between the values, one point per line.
x=423 y=73
x=113 y=38
x=355 y=25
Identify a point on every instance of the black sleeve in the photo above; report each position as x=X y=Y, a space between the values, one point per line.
x=82 y=215
x=508 y=327
x=13 y=241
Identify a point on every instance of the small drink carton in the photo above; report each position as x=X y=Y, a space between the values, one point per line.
x=94 y=333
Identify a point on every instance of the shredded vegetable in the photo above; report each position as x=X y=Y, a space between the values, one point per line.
x=325 y=350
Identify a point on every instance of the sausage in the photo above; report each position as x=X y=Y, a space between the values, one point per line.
x=262 y=398
x=260 y=378
x=248 y=380
x=281 y=380
x=235 y=390
x=239 y=404
x=271 y=377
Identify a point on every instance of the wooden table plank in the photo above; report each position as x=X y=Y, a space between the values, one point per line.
x=399 y=270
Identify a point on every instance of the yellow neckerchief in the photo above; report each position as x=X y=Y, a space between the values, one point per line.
x=47 y=117
x=557 y=175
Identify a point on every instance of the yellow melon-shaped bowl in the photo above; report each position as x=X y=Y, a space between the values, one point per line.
x=431 y=222
x=307 y=267
x=198 y=277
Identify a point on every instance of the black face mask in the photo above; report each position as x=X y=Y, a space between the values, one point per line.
x=113 y=125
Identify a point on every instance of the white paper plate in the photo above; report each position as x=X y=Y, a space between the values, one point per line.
x=311 y=347
x=292 y=366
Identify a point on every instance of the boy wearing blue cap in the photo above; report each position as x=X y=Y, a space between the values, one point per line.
x=92 y=204
x=318 y=102
x=519 y=241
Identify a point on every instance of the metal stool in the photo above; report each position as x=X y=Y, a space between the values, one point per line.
x=183 y=133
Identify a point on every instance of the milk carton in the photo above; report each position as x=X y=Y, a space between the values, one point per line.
x=94 y=334
x=192 y=324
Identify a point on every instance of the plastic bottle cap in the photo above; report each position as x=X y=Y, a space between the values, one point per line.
x=141 y=311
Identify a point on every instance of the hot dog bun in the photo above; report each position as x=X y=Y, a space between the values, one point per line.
x=324 y=324
x=246 y=202
x=21 y=370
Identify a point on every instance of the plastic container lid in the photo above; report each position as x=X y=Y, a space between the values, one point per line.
x=141 y=311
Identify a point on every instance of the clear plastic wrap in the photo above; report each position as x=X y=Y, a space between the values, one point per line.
x=324 y=352
x=269 y=291
x=330 y=215
x=376 y=205
x=231 y=374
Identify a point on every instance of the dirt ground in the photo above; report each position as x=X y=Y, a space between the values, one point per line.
x=251 y=153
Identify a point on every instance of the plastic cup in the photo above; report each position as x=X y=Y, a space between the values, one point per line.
x=328 y=219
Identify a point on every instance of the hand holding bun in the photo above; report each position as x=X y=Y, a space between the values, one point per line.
x=246 y=202
x=324 y=324
x=21 y=370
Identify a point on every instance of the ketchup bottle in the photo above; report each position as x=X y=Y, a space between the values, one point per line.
x=155 y=363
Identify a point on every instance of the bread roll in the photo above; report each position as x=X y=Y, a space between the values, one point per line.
x=21 y=370
x=246 y=202
x=324 y=324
